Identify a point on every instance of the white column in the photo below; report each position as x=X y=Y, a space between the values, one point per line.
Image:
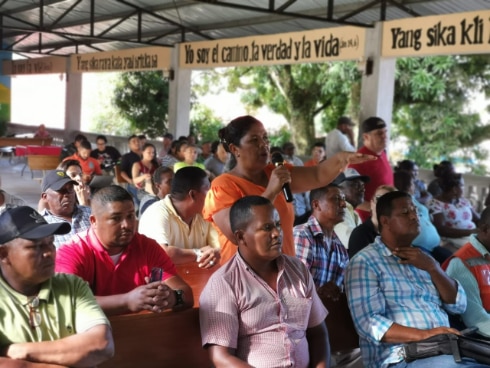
x=179 y=103
x=377 y=89
x=73 y=102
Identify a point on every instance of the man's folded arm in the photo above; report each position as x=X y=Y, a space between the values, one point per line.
x=85 y=349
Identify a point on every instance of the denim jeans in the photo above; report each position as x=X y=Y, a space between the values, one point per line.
x=440 y=361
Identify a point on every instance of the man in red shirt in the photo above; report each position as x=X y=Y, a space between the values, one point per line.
x=375 y=140
x=117 y=262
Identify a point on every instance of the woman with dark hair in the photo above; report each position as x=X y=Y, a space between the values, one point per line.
x=144 y=169
x=452 y=214
x=73 y=169
x=246 y=139
x=420 y=191
x=444 y=168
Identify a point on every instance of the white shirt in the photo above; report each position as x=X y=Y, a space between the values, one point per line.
x=337 y=141
x=161 y=222
x=344 y=229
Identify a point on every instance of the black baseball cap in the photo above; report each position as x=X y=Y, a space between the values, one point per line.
x=55 y=180
x=372 y=123
x=26 y=223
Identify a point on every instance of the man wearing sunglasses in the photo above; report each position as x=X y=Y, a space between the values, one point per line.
x=47 y=320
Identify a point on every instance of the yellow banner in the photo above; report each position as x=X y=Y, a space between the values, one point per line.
x=463 y=33
x=129 y=60
x=45 y=65
x=341 y=43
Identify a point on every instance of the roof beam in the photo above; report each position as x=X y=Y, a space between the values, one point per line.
x=290 y=14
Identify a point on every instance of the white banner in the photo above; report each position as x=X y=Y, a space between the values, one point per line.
x=462 y=33
x=46 y=65
x=340 y=43
x=129 y=60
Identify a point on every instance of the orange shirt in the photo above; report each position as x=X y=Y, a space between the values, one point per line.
x=89 y=166
x=226 y=189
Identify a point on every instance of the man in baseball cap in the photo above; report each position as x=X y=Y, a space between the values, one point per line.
x=59 y=200
x=375 y=139
x=30 y=291
x=352 y=185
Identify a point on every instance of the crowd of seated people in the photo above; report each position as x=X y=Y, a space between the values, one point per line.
x=238 y=221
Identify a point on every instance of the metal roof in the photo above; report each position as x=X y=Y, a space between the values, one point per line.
x=62 y=27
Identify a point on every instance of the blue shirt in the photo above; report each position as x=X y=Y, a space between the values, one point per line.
x=429 y=237
x=381 y=291
x=325 y=258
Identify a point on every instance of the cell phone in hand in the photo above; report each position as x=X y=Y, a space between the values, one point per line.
x=156 y=274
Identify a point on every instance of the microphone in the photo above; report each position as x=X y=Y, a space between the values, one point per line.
x=278 y=160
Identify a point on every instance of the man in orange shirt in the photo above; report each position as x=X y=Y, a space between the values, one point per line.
x=90 y=166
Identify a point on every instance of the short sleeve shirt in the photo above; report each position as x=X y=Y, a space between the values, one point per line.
x=161 y=222
x=66 y=307
x=267 y=328
x=86 y=257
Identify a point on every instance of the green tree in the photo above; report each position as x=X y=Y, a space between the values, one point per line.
x=301 y=93
x=431 y=102
x=431 y=109
x=204 y=125
x=141 y=98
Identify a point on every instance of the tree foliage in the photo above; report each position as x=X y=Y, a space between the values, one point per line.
x=301 y=93
x=142 y=99
x=204 y=125
x=431 y=106
x=431 y=103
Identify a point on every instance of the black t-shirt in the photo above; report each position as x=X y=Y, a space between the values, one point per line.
x=127 y=161
x=107 y=158
x=361 y=237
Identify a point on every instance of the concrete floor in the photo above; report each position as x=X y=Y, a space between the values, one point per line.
x=23 y=187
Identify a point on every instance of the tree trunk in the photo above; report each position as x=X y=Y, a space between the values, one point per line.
x=303 y=130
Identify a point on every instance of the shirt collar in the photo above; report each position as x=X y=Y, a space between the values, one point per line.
x=314 y=226
x=44 y=292
x=477 y=245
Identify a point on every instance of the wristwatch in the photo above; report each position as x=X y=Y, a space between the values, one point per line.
x=179 y=298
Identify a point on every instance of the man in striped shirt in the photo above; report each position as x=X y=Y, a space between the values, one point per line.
x=260 y=309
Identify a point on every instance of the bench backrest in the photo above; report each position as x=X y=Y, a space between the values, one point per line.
x=194 y=276
x=169 y=339
x=42 y=162
x=343 y=335
x=156 y=340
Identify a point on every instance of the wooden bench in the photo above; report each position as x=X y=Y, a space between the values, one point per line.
x=42 y=162
x=169 y=339
x=342 y=334
x=15 y=141
x=151 y=340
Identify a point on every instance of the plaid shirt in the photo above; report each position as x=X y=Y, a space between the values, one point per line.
x=79 y=221
x=381 y=291
x=325 y=261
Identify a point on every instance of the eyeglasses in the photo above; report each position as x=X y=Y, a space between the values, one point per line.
x=34 y=314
